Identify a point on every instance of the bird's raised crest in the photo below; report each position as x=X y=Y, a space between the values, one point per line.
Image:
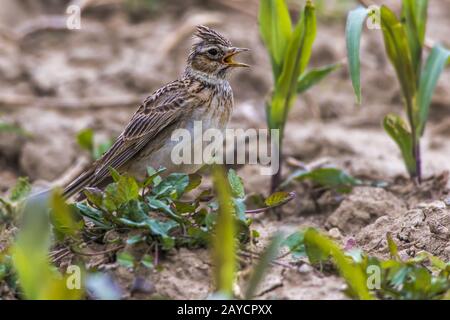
x=208 y=35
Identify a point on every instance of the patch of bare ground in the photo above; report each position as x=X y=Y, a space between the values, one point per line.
x=56 y=83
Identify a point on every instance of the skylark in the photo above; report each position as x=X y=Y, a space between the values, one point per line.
x=201 y=94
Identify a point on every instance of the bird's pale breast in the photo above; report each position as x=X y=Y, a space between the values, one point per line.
x=214 y=111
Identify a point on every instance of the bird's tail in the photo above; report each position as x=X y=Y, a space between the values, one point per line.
x=85 y=179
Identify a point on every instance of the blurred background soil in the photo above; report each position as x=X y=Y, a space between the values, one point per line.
x=55 y=82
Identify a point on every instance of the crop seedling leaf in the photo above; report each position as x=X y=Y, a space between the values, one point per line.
x=319 y=248
x=310 y=78
x=397 y=129
x=296 y=59
x=223 y=242
x=397 y=49
x=433 y=68
x=276 y=28
x=42 y=281
x=355 y=22
x=259 y=270
x=414 y=17
x=62 y=216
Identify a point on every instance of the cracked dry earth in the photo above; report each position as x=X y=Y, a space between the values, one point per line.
x=116 y=60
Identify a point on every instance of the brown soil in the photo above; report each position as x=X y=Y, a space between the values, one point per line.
x=97 y=76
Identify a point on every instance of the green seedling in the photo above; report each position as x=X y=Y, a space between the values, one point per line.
x=404 y=40
x=289 y=48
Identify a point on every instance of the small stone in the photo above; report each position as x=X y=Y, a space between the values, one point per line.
x=422 y=205
x=335 y=233
x=438 y=204
x=141 y=285
x=305 y=268
x=447 y=201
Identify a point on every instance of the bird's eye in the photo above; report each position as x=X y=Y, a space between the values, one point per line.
x=213 y=52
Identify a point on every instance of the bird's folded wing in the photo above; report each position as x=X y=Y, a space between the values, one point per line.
x=142 y=128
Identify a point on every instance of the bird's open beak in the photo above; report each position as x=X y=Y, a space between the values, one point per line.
x=228 y=59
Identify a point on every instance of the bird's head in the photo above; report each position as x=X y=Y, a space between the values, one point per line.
x=212 y=54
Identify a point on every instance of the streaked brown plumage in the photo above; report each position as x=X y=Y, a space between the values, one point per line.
x=201 y=94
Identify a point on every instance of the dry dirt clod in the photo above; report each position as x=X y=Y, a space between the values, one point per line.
x=424 y=228
x=335 y=233
x=362 y=207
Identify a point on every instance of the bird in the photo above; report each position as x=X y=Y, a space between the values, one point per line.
x=202 y=93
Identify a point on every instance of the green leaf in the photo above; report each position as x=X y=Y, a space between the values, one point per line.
x=101 y=149
x=433 y=69
x=162 y=206
x=136 y=217
x=319 y=247
x=138 y=238
x=397 y=49
x=328 y=177
x=93 y=214
x=277 y=198
x=94 y=196
x=194 y=181
x=62 y=217
x=275 y=27
x=11 y=128
x=85 y=139
x=296 y=244
x=399 y=132
x=314 y=76
x=121 y=192
x=260 y=269
x=223 y=242
x=393 y=250
x=237 y=187
x=37 y=277
x=296 y=59
x=239 y=209
x=152 y=176
x=174 y=185
x=125 y=259
x=147 y=261
x=353 y=29
x=114 y=174
x=21 y=190
x=414 y=17
x=160 y=228
x=184 y=207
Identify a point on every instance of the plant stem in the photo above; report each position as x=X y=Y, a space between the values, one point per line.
x=417 y=173
x=418 y=158
x=276 y=178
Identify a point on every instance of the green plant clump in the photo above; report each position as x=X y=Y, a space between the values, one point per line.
x=404 y=41
x=290 y=49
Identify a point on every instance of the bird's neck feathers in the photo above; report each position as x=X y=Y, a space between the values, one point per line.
x=215 y=79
